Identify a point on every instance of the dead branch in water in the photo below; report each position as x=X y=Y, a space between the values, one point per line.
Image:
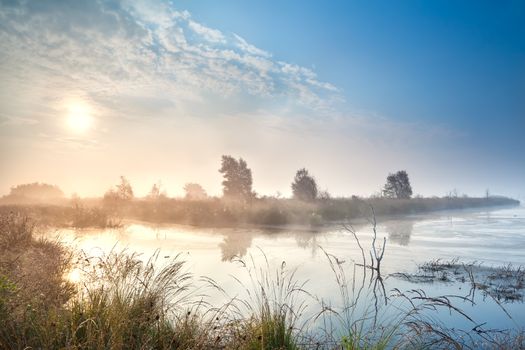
x=376 y=254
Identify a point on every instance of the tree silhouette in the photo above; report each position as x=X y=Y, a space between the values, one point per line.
x=398 y=186
x=156 y=191
x=237 y=183
x=304 y=186
x=194 y=191
x=36 y=191
x=122 y=191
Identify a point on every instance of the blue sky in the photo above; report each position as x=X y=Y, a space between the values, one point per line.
x=351 y=90
x=461 y=63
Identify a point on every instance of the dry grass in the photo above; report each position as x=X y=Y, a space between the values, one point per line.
x=216 y=212
x=125 y=302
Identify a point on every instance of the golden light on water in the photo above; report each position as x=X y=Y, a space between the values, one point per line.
x=79 y=118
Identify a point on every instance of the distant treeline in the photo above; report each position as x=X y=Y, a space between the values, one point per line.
x=237 y=186
x=33 y=193
x=239 y=204
x=278 y=212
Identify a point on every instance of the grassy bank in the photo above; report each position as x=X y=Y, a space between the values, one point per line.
x=279 y=212
x=124 y=302
x=262 y=211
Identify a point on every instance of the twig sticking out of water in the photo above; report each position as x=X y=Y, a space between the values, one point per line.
x=376 y=256
x=376 y=253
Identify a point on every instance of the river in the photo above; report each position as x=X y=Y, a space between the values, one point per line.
x=493 y=236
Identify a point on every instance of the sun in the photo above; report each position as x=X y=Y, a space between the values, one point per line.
x=79 y=118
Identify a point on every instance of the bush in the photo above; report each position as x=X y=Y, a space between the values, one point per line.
x=16 y=230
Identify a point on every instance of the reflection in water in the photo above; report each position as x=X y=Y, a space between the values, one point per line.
x=307 y=240
x=235 y=244
x=468 y=236
x=399 y=231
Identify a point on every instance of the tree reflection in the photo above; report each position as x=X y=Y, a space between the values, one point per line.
x=399 y=231
x=307 y=240
x=235 y=244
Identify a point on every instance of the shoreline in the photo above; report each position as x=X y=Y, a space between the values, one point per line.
x=265 y=214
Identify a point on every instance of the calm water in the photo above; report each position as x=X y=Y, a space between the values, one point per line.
x=496 y=237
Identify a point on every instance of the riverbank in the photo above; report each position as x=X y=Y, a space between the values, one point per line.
x=262 y=212
x=125 y=301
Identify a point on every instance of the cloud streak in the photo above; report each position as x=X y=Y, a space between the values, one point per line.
x=155 y=76
x=131 y=48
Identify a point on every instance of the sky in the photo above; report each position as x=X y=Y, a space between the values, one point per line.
x=351 y=90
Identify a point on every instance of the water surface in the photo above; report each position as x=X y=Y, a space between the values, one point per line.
x=495 y=237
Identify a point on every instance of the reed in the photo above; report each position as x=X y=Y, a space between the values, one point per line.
x=126 y=302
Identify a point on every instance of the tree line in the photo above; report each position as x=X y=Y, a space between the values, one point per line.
x=238 y=181
x=237 y=185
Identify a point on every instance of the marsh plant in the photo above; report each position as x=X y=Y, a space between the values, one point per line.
x=123 y=301
x=269 y=315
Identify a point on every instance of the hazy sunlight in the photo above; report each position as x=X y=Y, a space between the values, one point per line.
x=79 y=118
x=247 y=175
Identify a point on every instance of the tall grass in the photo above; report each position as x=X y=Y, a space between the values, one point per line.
x=32 y=283
x=268 y=315
x=126 y=302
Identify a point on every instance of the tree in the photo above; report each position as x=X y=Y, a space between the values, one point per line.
x=194 y=191
x=36 y=192
x=237 y=183
x=324 y=195
x=304 y=186
x=122 y=191
x=156 y=191
x=398 y=185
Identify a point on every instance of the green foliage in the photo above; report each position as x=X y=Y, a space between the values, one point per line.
x=269 y=316
x=7 y=288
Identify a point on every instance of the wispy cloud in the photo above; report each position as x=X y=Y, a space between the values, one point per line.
x=247 y=47
x=17 y=121
x=209 y=34
x=158 y=79
x=113 y=50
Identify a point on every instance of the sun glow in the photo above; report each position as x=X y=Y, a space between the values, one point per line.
x=79 y=118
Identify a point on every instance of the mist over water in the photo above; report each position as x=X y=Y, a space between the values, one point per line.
x=494 y=236
x=370 y=151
